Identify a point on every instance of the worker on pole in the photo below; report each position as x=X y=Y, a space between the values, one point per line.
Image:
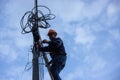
x=57 y=52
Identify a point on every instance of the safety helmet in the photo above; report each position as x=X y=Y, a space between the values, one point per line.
x=51 y=31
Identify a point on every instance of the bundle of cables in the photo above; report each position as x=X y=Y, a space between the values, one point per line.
x=28 y=20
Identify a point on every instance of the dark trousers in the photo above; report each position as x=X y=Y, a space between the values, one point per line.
x=58 y=63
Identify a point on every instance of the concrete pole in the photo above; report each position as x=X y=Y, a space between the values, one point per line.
x=36 y=37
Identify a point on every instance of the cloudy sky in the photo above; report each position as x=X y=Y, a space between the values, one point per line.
x=90 y=30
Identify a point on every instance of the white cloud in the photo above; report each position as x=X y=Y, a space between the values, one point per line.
x=84 y=36
x=23 y=41
x=14 y=10
x=96 y=63
x=11 y=38
x=93 y=68
x=76 y=10
x=109 y=72
x=70 y=11
x=7 y=53
x=111 y=10
x=115 y=34
x=110 y=17
x=108 y=45
x=77 y=73
x=16 y=73
x=112 y=14
x=79 y=10
x=97 y=27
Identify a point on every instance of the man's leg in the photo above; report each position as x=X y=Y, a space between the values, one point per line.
x=55 y=73
x=58 y=64
x=62 y=62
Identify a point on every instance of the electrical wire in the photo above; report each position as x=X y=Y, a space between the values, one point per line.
x=29 y=18
x=29 y=66
x=41 y=68
x=26 y=68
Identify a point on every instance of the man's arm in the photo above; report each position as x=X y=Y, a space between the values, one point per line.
x=45 y=49
x=53 y=45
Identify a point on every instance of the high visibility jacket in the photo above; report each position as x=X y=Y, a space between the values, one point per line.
x=55 y=47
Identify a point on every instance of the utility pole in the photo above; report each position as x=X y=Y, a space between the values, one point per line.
x=36 y=37
x=32 y=25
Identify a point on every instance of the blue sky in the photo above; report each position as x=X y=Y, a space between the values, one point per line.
x=90 y=30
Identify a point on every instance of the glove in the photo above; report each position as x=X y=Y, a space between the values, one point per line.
x=45 y=41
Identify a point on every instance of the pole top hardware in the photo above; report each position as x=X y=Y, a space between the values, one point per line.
x=29 y=19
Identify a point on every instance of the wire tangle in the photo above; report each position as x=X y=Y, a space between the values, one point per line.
x=29 y=19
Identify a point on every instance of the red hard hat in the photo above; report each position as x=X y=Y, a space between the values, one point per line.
x=51 y=31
